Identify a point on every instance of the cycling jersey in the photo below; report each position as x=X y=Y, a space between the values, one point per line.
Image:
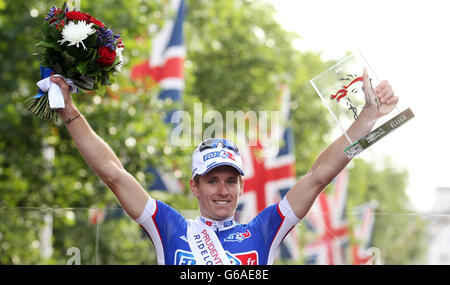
x=254 y=243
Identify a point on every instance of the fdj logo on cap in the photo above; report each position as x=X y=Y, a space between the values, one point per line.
x=221 y=153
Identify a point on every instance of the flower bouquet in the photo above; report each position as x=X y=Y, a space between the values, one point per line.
x=79 y=48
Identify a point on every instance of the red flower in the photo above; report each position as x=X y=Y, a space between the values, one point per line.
x=96 y=22
x=106 y=56
x=75 y=15
x=80 y=16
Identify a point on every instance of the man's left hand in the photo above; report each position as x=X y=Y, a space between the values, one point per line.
x=383 y=93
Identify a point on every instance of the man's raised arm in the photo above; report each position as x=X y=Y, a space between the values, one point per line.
x=333 y=160
x=99 y=156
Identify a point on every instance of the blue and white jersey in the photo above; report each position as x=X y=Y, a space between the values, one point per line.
x=254 y=243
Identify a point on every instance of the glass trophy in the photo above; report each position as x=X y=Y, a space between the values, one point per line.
x=341 y=89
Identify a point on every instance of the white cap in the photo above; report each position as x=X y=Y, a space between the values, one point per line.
x=219 y=153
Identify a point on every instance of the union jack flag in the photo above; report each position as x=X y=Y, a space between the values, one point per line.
x=327 y=218
x=363 y=233
x=269 y=177
x=166 y=66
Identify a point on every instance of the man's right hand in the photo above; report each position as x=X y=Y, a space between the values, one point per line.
x=70 y=110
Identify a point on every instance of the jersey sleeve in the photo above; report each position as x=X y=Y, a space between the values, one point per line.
x=161 y=222
x=287 y=212
x=273 y=224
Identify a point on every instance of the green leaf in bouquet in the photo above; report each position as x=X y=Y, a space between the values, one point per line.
x=84 y=82
x=51 y=59
x=79 y=53
x=45 y=44
x=92 y=66
x=93 y=54
x=63 y=8
x=57 y=68
x=105 y=79
x=41 y=59
x=82 y=67
x=94 y=72
x=101 y=89
x=68 y=59
x=91 y=40
x=54 y=34
x=111 y=67
x=52 y=56
x=45 y=28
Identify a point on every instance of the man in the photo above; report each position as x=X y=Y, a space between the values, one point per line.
x=214 y=237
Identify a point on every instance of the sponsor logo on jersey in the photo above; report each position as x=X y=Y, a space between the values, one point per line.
x=183 y=257
x=183 y=237
x=238 y=236
x=208 y=223
x=247 y=258
x=226 y=224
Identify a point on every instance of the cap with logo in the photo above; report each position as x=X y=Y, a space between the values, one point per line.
x=212 y=153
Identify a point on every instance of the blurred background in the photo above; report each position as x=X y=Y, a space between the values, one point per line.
x=237 y=54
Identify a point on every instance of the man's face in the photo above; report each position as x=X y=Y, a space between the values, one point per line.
x=218 y=192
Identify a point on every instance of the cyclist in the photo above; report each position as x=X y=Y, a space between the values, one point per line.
x=215 y=237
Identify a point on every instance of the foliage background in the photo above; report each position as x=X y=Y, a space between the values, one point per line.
x=237 y=54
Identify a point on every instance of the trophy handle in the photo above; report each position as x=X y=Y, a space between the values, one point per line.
x=378 y=133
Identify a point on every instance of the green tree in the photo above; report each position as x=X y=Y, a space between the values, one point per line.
x=131 y=124
x=395 y=223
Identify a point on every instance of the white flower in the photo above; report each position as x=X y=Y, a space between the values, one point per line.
x=75 y=33
x=119 y=54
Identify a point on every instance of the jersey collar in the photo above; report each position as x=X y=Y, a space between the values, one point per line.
x=218 y=225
